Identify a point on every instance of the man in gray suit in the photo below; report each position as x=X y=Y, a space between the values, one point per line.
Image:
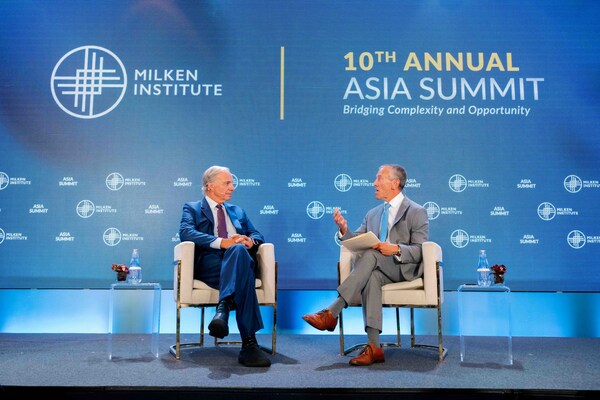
x=402 y=226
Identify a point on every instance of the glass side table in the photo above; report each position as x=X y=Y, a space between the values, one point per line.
x=484 y=314
x=128 y=311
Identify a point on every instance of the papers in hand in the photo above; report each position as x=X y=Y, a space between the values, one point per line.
x=361 y=242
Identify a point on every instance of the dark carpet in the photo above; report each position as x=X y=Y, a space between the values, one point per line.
x=306 y=366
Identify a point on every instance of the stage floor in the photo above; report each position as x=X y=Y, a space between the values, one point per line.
x=305 y=366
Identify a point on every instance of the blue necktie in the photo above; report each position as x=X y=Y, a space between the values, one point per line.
x=384 y=223
x=221 y=224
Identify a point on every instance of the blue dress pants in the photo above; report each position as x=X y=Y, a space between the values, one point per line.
x=237 y=278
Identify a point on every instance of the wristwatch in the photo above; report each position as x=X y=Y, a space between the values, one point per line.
x=398 y=255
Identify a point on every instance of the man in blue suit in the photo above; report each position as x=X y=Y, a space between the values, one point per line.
x=402 y=226
x=226 y=244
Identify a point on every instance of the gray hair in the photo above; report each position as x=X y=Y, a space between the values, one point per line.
x=397 y=172
x=210 y=174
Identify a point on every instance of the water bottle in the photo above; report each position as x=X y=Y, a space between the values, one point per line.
x=483 y=270
x=135 y=270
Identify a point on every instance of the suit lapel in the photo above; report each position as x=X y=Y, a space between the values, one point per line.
x=402 y=209
x=233 y=217
x=207 y=212
x=376 y=221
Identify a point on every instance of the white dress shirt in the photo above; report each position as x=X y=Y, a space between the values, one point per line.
x=392 y=213
x=216 y=244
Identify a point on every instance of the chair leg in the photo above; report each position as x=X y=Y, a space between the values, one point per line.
x=274 y=331
x=178 y=334
x=273 y=349
x=176 y=348
x=343 y=350
x=412 y=327
x=398 y=327
x=201 y=340
x=441 y=350
x=202 y=332
x=341 y=320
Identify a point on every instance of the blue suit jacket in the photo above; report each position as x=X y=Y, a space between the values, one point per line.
x=198 y=226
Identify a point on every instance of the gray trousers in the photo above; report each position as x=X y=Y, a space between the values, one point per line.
x=371 y=271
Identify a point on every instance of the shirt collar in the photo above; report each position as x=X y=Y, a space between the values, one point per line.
x=212 y=204
x=397 y=200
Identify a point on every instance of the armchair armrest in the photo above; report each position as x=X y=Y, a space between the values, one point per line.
x=344 y=264
x=184 y=251
x=267 y=271
x=432 y=253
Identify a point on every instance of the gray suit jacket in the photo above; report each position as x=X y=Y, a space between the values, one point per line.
x=409 y=231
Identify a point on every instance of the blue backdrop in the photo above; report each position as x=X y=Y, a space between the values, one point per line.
x=110 y=111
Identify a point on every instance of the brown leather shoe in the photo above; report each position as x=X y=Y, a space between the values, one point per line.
x=323 y=320
x=369 y=355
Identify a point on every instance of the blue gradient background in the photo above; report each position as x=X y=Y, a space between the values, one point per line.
x=237 y=43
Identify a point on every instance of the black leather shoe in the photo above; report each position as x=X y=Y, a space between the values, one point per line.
x=219 y=327
x=252 y=356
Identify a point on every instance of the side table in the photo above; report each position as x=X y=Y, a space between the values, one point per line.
x=132 y=302
x=485 y=309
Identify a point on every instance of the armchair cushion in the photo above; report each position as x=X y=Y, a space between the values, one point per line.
x=201 y=285
x=406 y=285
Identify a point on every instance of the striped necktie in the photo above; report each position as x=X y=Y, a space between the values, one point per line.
x=221 y=224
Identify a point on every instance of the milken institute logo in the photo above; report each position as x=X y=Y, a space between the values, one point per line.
x=88 y=82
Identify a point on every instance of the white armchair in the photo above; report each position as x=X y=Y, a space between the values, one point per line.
x=190 y=292
x=425 y=292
